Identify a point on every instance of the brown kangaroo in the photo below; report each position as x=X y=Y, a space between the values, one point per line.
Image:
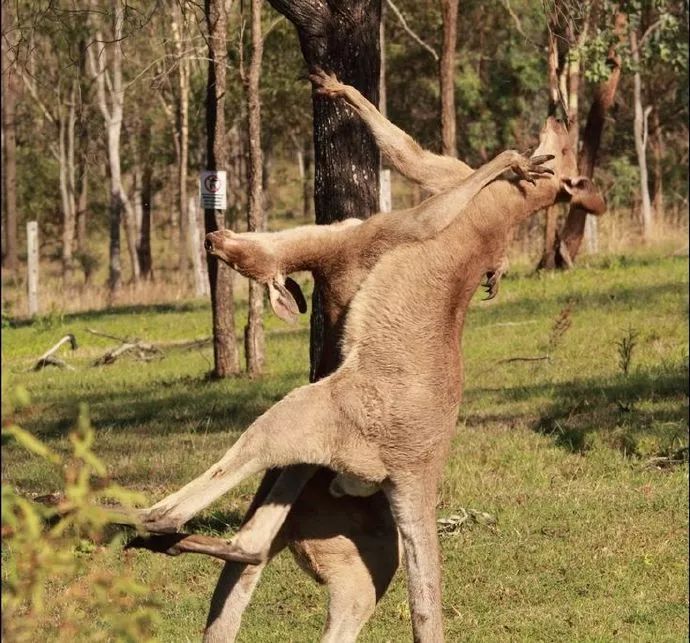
x=397 y=345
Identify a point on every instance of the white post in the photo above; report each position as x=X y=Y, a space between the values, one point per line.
x=32 y=265
x=385 y=198
x=591 y=234
x=196 y=242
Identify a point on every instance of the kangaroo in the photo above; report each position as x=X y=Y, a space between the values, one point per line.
x=363 y=436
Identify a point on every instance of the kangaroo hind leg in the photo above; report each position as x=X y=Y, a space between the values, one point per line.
x=299 y=429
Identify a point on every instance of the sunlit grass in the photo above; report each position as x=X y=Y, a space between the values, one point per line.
x=591 y=539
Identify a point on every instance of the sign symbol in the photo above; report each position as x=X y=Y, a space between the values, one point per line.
x=212 y=183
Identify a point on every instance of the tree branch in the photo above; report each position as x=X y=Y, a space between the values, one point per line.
x=301 y=13
x=409 y=30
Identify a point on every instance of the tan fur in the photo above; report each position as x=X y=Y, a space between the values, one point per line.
x=386 y=415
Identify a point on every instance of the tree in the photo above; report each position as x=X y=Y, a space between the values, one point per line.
x=653 y=28
x=9 y=148
x=220 y=276
x=105 y=61
x=183 y=80
x=447 y=76
x=342 y=37
x=254 y=330
x=561 y=248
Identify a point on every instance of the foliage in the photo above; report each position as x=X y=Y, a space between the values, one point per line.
x=50 y=551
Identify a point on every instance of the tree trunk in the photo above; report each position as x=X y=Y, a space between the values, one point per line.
x=82 y=208
x=144 y=196
x=548 y=258
x=658 y=151
x=640 y=128
x=112 y=116
x=66 y=172
x=447 y=76
x=341 y=37
x=308 y=182
x=604 y=96
x=9 y=166
x=219 y=275
x=183 y=128
x=254 y=330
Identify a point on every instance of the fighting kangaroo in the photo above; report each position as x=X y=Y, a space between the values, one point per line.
x=387 y=413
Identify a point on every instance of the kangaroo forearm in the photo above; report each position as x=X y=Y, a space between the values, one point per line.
x=438 y=212
x=433 y=172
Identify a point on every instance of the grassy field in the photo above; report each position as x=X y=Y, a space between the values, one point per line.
x=571 y=453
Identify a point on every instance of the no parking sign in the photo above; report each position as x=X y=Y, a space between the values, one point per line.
x=213 y=189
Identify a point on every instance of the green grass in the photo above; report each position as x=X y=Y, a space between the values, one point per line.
x=591 y=541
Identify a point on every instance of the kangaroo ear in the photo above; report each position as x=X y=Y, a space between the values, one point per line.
x=282 y=302
x=585 y=194
x=296 y=292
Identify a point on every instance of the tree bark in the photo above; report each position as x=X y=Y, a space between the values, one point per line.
x=183 y=128
x=341 y=37
x=604 y=96
x=120 y=205
x=254 y=330
x=219 y=275
x=640 y=129
x=548 y=259
x=66 y=124
x=447 y=76
x=145 y=194
x=658 y=151
x=10 y=258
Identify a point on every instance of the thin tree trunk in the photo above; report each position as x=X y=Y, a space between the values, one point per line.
x=112 y=116
x=640 y=129
x=143 y=196
x=82 y=206
x=254 y=330
x=66 y=168
x=144 y=244
x=10 y=258
x=383 y=96
x=220 y=276
x=548 y=259
x=344 y=40
x=658 y=151
x=447 y=77
x=183 y=128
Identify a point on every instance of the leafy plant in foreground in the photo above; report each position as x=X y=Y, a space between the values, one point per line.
x=48 y=551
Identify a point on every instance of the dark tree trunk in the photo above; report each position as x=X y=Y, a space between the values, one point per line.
x=341 y=37
x=447 y=77
x=307 y=183
x=254 y=330
x=574 y=226
x=145 y=194
x=9 y=165
x=82 y=204
x=219 y=275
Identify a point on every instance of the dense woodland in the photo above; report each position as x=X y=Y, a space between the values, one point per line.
x=104 y=115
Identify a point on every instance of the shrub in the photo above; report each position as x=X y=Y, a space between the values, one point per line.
x=51 y=588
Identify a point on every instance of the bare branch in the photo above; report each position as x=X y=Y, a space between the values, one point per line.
x=409 y=30
x=31 y=87
x=515 y=17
